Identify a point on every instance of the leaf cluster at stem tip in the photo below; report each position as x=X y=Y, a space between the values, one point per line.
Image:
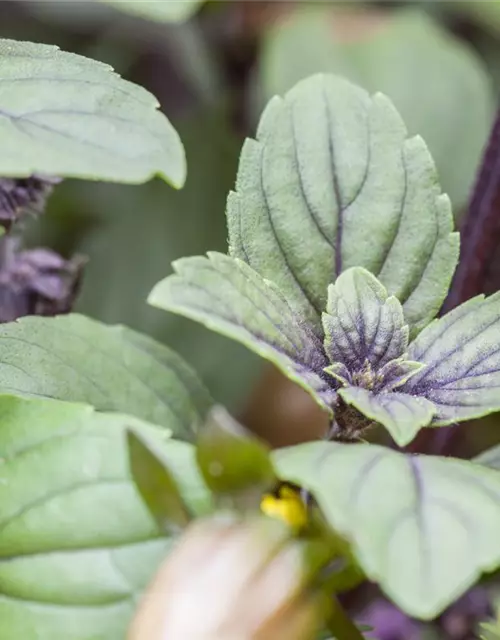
x=341 y=253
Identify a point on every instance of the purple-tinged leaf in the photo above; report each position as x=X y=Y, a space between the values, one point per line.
x=462 y=354
x=396 y=372
x=423 y=527
x=401 y=414
x=229 y=297
x=362 y=323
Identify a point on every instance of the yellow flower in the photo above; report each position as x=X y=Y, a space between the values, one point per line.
x=286 y=505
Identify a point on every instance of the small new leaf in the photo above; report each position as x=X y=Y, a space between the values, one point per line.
x=156 y=485
x=232 y=461
x=363 y=325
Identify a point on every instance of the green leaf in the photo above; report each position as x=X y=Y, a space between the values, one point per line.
x=401 y=414
x=332 y=182
x=227 y=296
x=123 y=264
x=423 y=527
x=63 y=114
x=407 y=55
x=112 y=368
x=362 y=323
x=77 y=543
x=156 y=485
x=462 y=358
x=232 y=460
x=158 y=10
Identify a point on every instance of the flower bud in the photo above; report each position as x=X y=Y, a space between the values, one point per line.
x=230 y=580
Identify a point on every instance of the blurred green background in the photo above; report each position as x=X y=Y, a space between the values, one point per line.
x=213 y=65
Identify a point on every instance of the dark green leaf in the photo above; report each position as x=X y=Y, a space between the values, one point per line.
x=112 y=368
x=462 y=356
x=156 y=485
x=63 y=114
x=77 y=543
x=423 y=527
x=227 y=296
x=332 y=182
x=232 y=460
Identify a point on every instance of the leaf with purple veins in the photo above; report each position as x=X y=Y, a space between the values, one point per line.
x=362 y=323
x=461 y=352
x=401 y=414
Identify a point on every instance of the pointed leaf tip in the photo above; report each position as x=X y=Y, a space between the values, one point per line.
x=156 y=485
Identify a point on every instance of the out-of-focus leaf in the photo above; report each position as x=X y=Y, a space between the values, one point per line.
x=333 y=182
x=77 y=543
x=66 y=115
x=138 y=231
x=231 y=459
x=158 y=10
x=156 y=485
x=423 y=527
x=487 y=14
x=428 y=73
x=78 y=359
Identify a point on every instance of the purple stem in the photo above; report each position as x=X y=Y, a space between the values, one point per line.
x=480 y=229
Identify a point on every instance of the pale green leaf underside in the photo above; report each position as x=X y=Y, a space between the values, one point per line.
x=362 y=323
x=63 y=114
x=461 y=352
x=423 y=527
x=227 y=296
x=112 y=368
x=333 y=182
x=77 y=543
x=401 y=414
x=158 y=10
